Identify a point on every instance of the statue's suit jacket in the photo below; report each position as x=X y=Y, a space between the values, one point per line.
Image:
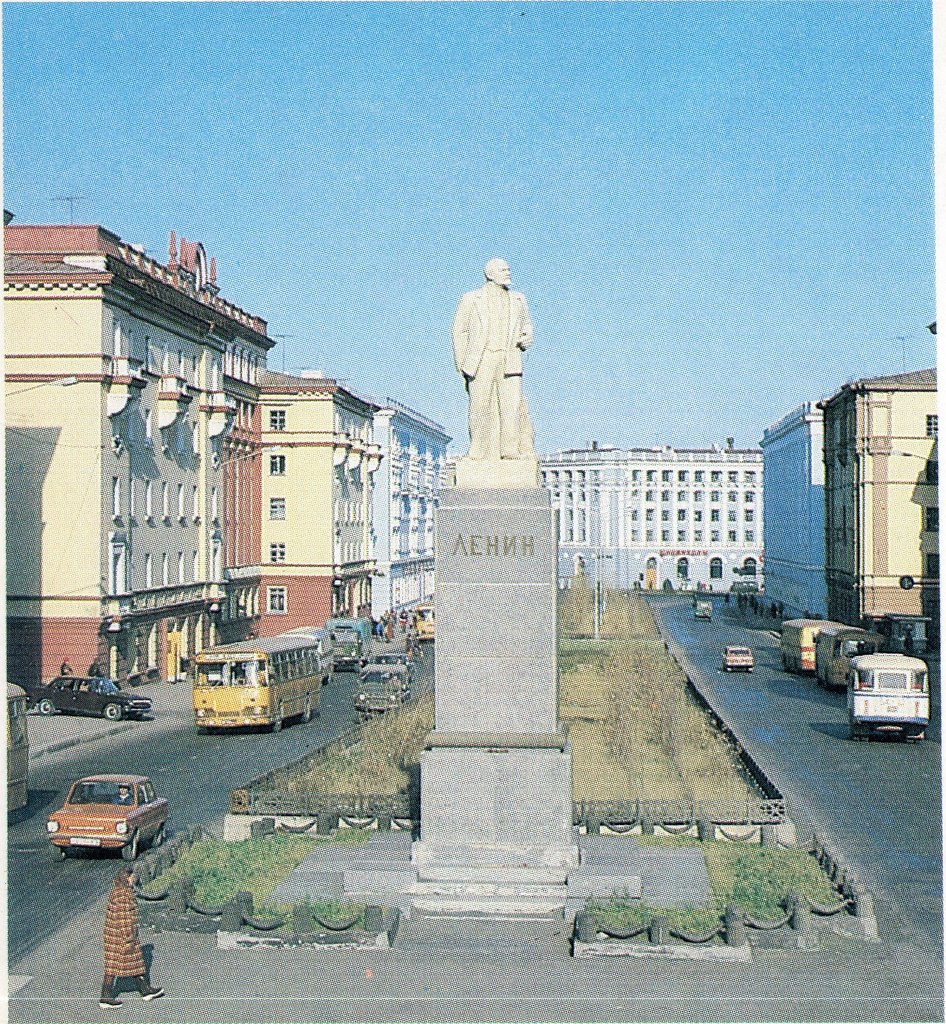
x=470 y=332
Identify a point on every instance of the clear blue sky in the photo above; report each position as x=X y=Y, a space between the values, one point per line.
x=716 y=210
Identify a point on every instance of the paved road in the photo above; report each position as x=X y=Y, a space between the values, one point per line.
x=195 y=773
x=878 y=801
x=55 y=970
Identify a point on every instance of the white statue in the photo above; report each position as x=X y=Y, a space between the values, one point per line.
x=491 y=330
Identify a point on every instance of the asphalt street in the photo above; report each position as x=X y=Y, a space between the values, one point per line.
x=878 y=801
x=56 y=918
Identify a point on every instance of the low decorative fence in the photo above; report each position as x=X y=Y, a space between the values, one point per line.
x=176 y=909
x=851 y=914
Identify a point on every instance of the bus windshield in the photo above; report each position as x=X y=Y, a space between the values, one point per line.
x=229 y=673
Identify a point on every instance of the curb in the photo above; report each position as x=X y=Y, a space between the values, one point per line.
x=75 y=741
x=671 y=951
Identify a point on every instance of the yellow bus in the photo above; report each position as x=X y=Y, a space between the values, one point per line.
x=18 y=748
x=426 y=619
x=262 y=681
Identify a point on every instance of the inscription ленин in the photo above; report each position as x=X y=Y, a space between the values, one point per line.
x=494 y=544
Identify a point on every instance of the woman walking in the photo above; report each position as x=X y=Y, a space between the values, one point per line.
x=123 y=956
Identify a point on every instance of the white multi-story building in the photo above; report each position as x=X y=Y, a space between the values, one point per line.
x=413 y=463
x=658 y=518
x=793 y=457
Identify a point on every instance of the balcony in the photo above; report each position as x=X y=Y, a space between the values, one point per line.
x=125 y=378
x=173 y=398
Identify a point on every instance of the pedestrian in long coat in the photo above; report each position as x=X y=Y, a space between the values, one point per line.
x=123 y=956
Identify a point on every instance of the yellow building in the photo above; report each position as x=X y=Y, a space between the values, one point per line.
x=317 y=466
x=131 y=390
x=881 y=505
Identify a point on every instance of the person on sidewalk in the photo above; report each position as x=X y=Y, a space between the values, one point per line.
x=123 y=956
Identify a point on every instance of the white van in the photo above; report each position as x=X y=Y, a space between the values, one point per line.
x=888 y=693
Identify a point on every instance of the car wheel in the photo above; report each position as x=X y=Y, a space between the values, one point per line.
x=130 y=850
x=113 y=712
x=59 y=852
x=46 y=707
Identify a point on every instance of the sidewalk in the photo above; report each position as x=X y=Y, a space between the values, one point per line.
x=49 y=735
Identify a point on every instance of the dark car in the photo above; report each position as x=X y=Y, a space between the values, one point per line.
x=378 y=691
x=88 y=695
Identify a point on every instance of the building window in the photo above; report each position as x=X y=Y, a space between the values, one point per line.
x=665 y=515
x=750 y=477
x=149 y=510
x=276 y=600
x=733 y=476
x=697 y=535
x=196 y=567
x=635 y=475
x=750 y=515
x=149 y=429
x=749 y=567
x=714 y=495
x=732 y=536
x=731 y=516
x=664 y=495
x=681 y=495
x=733 y=496
x=714 y=536
x=277 y=465
x=277 y=552
x=665 y=535
x=750 y=536
x=131 y=498
x=681 y=536
x=932 y=426
x=681 y=515
x=714 y=515
x=649 y=515
x=666 y=476
x=715 y=476
x=180 y=567
x=716 y=568
x=635 y=515
x=277 y=419
x=682 y=476
x=195 y=502
x=149 y=572
x=277 y=508
x=116 y=497
x=698 y=515
x=649 y=496
x=683 y=568
x=117 y=581
x=750 y=496
x=650 y=535
x=165 y=570
x=932 y=567
x=932 y=471
x=180 y=501
x=213 y=502
x=698 y=476
x=165 y=507
x=932 y=519
x=651 y=476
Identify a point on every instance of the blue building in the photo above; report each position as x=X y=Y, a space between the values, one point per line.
x=414 y=455
x=793 y=512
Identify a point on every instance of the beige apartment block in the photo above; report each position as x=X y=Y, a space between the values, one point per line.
x=881 y=504
x=131 y=391
x=317 y=477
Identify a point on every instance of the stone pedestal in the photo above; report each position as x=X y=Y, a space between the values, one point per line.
x=496 y=774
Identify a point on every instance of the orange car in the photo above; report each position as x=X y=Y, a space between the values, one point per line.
x=111 y=812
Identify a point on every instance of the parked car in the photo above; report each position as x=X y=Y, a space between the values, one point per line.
x=110 y=812
x=703 y=610
x=738 y=659
x=88 y=695
x=398 y=660
x=378 y=691
x=744 y=587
